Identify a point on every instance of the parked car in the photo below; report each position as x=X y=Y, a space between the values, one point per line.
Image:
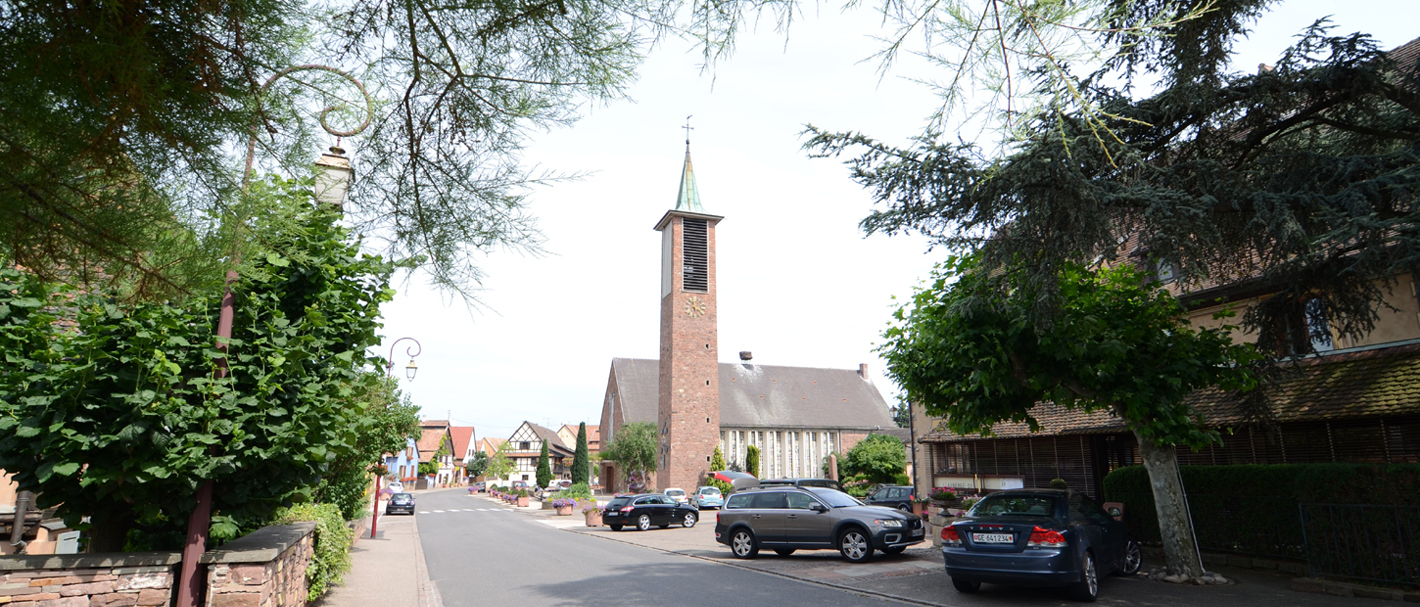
x=677 y=494
x=1038 y=537
x=708 y=497
x=396 y=486
x=892 y=496
x=480 y=487
x=802 y=482
x=642 y=511
x=519 y=485
x=400 y=502
x=787 y=518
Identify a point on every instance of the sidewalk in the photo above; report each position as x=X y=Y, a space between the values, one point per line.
x=387 y=570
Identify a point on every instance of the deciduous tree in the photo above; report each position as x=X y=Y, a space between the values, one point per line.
x=971 y=349
x=634 y=449
x=879 y=458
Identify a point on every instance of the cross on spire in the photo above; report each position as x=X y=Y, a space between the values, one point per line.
x=688 y=129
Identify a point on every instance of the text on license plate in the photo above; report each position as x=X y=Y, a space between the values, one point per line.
x=993 y=538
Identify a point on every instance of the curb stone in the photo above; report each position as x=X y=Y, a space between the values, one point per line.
x=1347 y=589
x=428 y=592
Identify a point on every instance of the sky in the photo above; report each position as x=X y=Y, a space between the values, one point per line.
x=799 y=283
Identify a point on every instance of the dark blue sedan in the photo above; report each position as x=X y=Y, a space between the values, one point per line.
x=1038 y=537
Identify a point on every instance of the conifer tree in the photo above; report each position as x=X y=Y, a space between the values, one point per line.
x=544 y=469
x=581 y=462
x=752 y=460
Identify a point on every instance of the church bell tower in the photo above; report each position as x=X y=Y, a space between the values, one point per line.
x=689 y=405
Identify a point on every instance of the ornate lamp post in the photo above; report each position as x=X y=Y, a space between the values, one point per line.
x=409 y=371
x=332 y=182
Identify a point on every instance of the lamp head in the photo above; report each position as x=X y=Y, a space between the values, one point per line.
x=410 y=369
x=333 y=176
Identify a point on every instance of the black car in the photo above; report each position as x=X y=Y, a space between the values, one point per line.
x=786 y=519
x=400 y=502
x=643 y=511
x=1038 y=537
x=892 y=496
x=827 y=483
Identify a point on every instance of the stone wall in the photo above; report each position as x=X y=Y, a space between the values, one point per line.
x=264 y=569
x=89 y=580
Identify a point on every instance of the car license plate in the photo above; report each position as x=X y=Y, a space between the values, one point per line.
x=993 y=538
x=916 y=532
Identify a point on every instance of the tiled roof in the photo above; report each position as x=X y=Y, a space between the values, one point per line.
x=490 y=444
x=463 y=435
x=766 y=396
x=1369 y=383
x=429 y=442
x=554 y=442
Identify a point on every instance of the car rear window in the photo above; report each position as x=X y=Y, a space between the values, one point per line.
x=1014 y=505
x=709 y=491
x=618 y=502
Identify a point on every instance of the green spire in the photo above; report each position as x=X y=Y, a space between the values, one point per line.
x=689 y=198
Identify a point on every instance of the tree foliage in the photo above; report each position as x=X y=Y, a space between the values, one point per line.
x=879 y=458
x=752 y=460
x=581 y=463
x=477 y=465
x=717 y=464
x=116 y=412
x=634 y=448
x=499 y=464
x=544 y=468
x=1300 y=179
x=385 y=419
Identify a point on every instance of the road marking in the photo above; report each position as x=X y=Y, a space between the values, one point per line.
x=438 y=511
x=423 y=512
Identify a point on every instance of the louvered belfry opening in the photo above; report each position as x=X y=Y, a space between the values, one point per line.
x=695 y=256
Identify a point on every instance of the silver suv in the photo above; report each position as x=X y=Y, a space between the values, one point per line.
x=786 y=519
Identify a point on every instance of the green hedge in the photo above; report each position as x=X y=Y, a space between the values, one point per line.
x=332 y=545
x=1252 y=509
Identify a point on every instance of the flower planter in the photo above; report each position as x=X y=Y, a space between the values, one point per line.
x=523 y=502
x=918 y=508
x=564 y=511
x=594 y=519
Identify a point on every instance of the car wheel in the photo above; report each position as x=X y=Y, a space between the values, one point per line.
x=644 y=523
x=743 y=544
x=894 y=549
x=1088 y=588
x=855 y=546
x=966 y=587
x=689 y=520
x=904 y=507
x=1133 y=559
x=615 y=527
x=783 y=551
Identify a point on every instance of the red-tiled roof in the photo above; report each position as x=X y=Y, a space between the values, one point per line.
x=1369 y=383
x=429 y=442
x=463 y=435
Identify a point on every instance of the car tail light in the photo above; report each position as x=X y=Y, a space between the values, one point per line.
x=950 y=537
x=1045 y=538
x=628 y=509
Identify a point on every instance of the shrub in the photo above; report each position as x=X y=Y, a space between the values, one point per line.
x=881 y=458
x=901 y=479
x=331 y=558
x=1059 y=483
x=578 y=491
x=522 y=493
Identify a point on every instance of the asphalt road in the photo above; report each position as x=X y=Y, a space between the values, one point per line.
x=491 y=556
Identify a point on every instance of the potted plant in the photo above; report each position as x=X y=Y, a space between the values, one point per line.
x=594 y=515
x=564 y=506
x=919 y=505
x=522 y=498
x=944 y=497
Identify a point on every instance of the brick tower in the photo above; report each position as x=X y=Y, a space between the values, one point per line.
x=689 y=411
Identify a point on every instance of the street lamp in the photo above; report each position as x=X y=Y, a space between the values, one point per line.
x=409 y=371
x=333 y=176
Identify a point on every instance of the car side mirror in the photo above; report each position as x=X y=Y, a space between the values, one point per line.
x=1115 y=513
x=818 y=508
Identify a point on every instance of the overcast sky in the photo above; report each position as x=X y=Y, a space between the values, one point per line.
x=799 y=284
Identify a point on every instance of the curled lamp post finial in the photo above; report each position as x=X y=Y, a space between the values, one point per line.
x=411 y=351
x=369 y=110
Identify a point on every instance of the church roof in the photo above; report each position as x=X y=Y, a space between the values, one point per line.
x=688 y=199
x=765 y=396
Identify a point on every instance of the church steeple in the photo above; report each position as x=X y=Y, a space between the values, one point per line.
x=689 y=197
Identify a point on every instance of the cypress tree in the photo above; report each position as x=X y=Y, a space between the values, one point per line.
x=752 y=460
x=581 y=463
x=544 y=470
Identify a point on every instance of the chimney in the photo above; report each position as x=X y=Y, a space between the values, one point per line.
x=863 y=370
x=746 y=355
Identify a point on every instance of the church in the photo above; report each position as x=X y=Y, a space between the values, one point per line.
x=795 y=416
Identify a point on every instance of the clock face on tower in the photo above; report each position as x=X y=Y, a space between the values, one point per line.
x=694 y=307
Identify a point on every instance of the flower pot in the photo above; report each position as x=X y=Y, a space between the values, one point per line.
x=523 y=502
x=564 y=511
x=918 y=507
x=594 y=519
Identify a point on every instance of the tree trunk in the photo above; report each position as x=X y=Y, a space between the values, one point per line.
x=109 y=531
x=1175 y=526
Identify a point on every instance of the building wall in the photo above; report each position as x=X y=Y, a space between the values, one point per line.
x=1398 y=318
x=783 y=453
